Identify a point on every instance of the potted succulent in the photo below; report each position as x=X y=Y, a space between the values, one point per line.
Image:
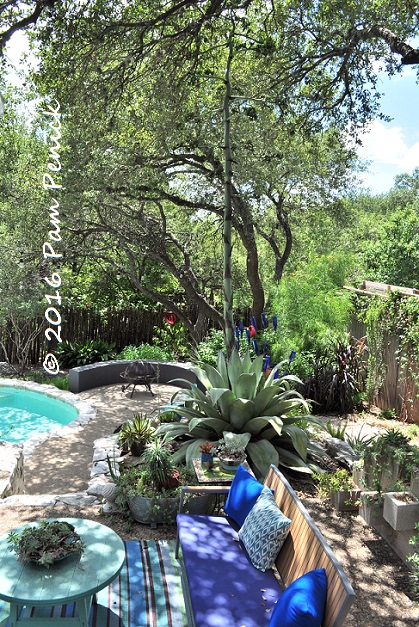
x=207 y=454
x=151 y=490
x=135 y=434
x=340 y=488
x=46 y=543
x=231 y=449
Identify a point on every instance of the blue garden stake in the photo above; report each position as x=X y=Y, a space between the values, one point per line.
x=265 y=348
x=237 y=333
x=253 y=322
x=292 y=356
x=276 y=374
x=241 y=327
x=255 y=347
x=266 y=363
x=248 y=336
x=264 y=321
x=275 y=322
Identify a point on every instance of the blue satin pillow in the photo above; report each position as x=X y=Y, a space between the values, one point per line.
x=244 y=492
x=302 y=603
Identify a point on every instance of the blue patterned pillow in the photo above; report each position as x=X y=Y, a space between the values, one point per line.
x=264 y=531
x=302 y=603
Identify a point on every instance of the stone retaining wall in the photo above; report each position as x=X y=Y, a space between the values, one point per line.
x=11 y=469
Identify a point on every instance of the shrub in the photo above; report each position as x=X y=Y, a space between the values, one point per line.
x=207 y=351
x=73 y=354
x=146 y=351
x=337 y=384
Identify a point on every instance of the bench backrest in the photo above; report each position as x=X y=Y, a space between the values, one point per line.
x=305 y=549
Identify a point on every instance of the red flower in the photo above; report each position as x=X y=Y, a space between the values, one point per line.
x=170 y=317
x=252 y=330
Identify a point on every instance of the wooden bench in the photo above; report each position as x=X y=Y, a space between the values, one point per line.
x=304 y=550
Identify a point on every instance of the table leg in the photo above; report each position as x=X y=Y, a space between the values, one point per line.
x=84 y=606
x=14 y=613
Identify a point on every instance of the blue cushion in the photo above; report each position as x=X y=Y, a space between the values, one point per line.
x=302 y=603
x=264 y=531
x=243 y=494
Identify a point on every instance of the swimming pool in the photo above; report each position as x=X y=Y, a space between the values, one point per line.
x=25 y=413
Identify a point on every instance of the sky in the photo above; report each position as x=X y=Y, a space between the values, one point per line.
x=392 y=148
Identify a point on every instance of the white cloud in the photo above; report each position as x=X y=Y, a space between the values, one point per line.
x=389 y=146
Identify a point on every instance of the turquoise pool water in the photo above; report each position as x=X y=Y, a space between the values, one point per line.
x=31 y=413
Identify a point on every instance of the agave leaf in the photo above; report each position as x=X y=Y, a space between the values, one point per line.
x=306 y=418
x=222 y=367
x=173 y=429
x=241 y=411
x=278 y=368
x=246 y=386
x=215 y=393
x=256 y=365
x=179 y=456
x=256 y=425
x=200 y=431
x=247 y=362
x=213 y=423
x=202 y=409
x=173 y=381
x=234 y=370
x=214 y=377
x=299 y=439
x=224 y=403
x=280 y=407
x=292 y=461
x=263 y=398
x=261 y=455
x=207 y=408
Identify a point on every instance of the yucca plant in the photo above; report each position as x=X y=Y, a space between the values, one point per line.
x=238 y=398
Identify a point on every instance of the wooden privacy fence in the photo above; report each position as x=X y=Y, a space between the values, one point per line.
x=129 y=326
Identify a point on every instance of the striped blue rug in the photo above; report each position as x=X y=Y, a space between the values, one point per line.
x=148 y=592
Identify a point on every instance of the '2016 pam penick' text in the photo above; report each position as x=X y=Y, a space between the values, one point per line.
x=51 y=247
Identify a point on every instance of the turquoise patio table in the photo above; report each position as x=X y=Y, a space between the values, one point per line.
x=76 y=578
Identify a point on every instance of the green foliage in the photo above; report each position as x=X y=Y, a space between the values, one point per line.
x=393 y=255
x=337 y=431
x=40 y=376
x=359 y=441
x=395 y=315
x=146 y=351
x=313 y=311
x=238 y=398
x=159 y=462
x=339 y=481
x=207 y=351
x=137 y=430
x=413 y=560
x=73 y=354
x=174 y=339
